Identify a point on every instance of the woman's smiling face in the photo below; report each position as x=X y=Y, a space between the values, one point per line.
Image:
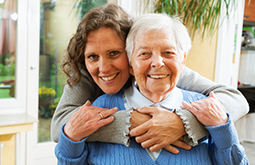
x=106 y=59
x=156 y=64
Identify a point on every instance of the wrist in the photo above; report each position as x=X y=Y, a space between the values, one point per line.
x=68 y=133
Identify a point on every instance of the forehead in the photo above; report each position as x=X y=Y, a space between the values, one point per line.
x=155 y=36
x=103 y=38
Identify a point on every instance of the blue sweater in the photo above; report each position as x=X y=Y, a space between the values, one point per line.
x=220 y=147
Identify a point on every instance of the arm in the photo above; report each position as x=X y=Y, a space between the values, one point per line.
x=117 y=129
x=233 y=101
x=70 y=152
x=72 y=100
x=226 y=148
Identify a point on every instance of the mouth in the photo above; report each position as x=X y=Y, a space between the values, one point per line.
x=109 y=78
x=158 y=76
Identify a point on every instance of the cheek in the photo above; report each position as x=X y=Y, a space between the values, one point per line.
x=92 y=68
x=123 y=64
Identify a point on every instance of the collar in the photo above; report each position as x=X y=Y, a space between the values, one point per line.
x=135 y=99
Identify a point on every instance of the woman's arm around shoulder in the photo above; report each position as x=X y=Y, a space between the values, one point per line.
x=233 y=100
x=71 y=101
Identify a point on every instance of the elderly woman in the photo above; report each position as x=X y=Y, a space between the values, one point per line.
x=157 y=46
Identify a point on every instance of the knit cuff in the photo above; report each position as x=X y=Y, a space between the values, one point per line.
x=224 y=136
x=115 y=132
x=194 y=129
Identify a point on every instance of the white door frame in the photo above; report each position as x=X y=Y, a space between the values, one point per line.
x=228 y=51
x=36 y=153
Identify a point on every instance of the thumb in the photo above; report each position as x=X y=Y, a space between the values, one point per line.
x=146 y=110
x=88 y=103
x=212 y=95
x=188 y=107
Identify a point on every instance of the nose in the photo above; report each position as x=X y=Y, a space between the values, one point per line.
x=104 y=65
x=157 y=61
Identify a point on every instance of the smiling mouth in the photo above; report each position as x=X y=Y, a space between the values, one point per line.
x=110 y=77
x=158 y=76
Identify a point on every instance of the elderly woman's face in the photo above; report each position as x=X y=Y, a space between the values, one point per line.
x=156 y=64
x=106 y=59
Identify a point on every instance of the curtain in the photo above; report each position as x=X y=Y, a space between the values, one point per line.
x=8 y=28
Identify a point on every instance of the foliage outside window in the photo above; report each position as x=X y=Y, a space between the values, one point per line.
x=197 y=15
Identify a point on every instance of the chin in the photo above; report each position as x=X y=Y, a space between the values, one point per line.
x=111 y=92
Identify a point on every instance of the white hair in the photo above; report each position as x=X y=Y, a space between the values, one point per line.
x=152 y=21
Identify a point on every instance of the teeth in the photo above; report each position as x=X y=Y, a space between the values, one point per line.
x=109 y=78
x=157 y=76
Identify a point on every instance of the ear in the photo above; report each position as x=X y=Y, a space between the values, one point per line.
x=184 y=60
x=131 y=71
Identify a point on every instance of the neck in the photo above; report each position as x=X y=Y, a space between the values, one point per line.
x=155 y=98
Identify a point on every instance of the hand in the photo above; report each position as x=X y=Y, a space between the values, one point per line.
x=138 y=119
x=209 y=111
x=163 y=129
x=87 y=120
x=179 y=143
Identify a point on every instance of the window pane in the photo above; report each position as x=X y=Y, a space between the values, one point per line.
x=8 y=20
x=59 y=20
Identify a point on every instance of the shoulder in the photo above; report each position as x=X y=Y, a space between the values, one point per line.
x=190 y=96
x=109 y=101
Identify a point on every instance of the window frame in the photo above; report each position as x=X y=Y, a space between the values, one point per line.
x=17 y=104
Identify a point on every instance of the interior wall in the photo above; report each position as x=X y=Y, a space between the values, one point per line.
x=202 y=56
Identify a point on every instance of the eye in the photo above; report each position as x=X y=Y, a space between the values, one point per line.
x=113 y=53
x=93 y=57
x=170 y=52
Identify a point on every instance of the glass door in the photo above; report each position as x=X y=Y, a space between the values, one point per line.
x=58 y=22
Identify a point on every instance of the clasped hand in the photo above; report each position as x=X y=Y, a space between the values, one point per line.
x=157 y=128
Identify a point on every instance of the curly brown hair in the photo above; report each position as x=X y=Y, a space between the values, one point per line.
x=110 y=15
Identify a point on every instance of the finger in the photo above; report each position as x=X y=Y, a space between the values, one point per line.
x=142 y=138
x=212 y=95
x=88 y=103
x=171 y=149
x=189 y=107
x=148 y=143
x=107 y=112
x=182 y=145
x=139 y=130
x=156 y=147
x=147 y=110
x=104 y=122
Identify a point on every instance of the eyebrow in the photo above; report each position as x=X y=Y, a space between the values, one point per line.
x=165 y=47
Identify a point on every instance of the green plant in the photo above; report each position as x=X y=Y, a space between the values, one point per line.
x=54 y=104
x=86 y=5
x=7 y=70
x=45 y=93
x=197 y=15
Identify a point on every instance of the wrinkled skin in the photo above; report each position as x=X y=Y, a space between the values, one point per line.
x=209 y=111
x=160 y=128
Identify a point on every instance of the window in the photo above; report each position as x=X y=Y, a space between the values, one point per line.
x=59 y=20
